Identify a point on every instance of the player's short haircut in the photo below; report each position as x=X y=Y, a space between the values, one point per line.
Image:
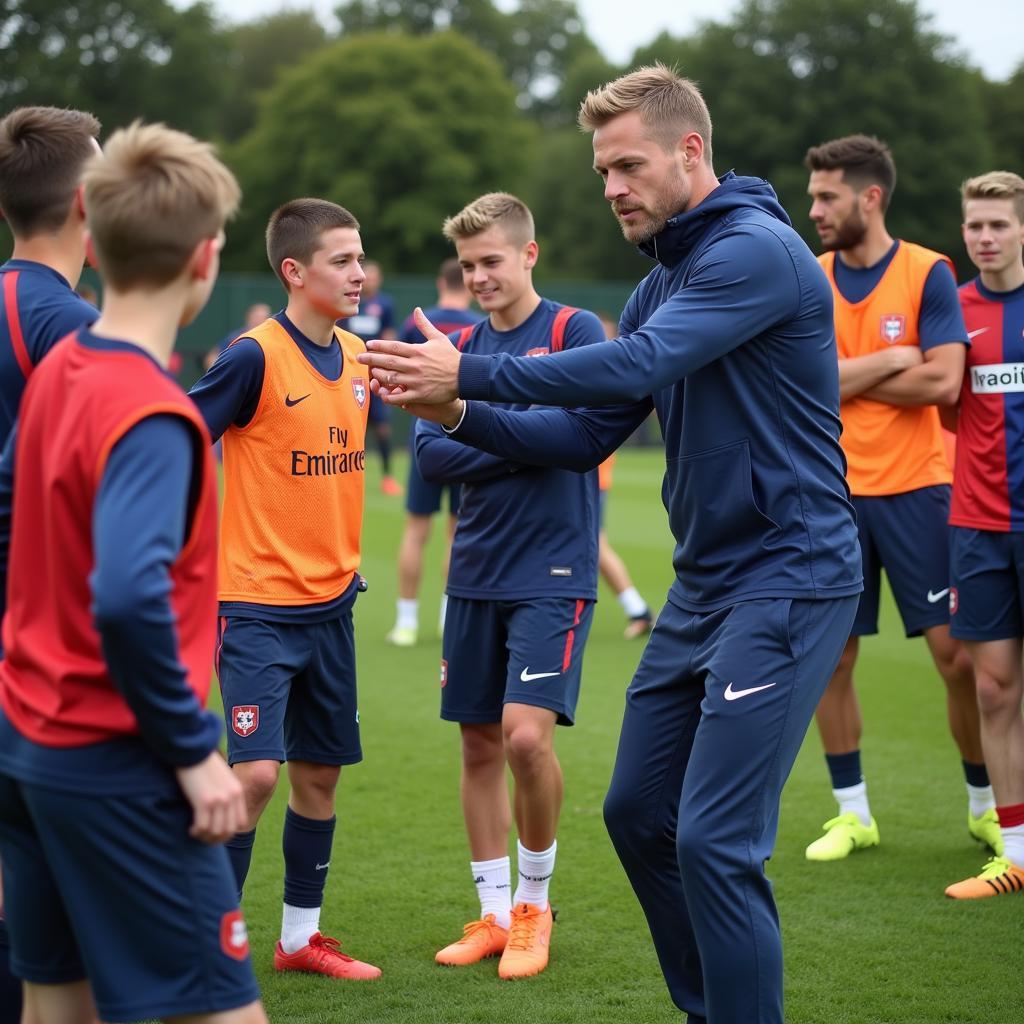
x=996 y=185
x=863 y=159
x=499 y=209
x=450 y=272
x=43 y=151
x=295 y=230
x=670 y=106
x=150 y=199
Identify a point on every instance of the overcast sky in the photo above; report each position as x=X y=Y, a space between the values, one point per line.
x=990 y=31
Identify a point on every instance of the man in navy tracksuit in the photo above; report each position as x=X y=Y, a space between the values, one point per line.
x=730 y=337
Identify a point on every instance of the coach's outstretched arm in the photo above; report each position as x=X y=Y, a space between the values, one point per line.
x=748 y=263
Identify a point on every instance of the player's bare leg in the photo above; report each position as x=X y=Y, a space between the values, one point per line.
x=999 y=681
x=840 y=724
x=410 y=573
x=259 y=780
x=1000 y=690
x=954 y=665
x=251 y=1014
x=58 y=1004
x=488 y=817
x=838 y=716
x=529 y=735
x=953 y=662
x=616 y=575
x=485 y=803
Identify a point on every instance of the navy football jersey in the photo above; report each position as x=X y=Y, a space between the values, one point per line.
x=524 y=531
x=38 y=309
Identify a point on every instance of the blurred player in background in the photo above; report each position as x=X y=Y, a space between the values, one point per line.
x=609 y=562
x=521 y=586
x=901 y=341
x=290 y=402
x=423 y=501
x=113 y=793
x=376 y=319
x=987 y=514
x=254 y=316
x=42 y=153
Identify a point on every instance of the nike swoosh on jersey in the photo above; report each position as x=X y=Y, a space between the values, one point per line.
x=934 y=598
x=980 y=330
x=289 y=401
x=731 y=694
x=527 y=676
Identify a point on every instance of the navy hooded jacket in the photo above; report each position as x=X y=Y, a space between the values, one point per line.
x=731 y=336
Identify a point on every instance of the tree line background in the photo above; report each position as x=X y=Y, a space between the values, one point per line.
x=414 y=107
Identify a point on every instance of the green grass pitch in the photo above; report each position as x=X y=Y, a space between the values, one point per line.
x=867 y=940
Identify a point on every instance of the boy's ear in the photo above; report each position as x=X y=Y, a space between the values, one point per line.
x=79 y=201
x=90 y=251
x=204 y=258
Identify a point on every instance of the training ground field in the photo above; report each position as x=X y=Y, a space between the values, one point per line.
x=868 y=940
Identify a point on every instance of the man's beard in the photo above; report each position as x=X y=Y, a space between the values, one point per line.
x=669 y=203
x=849 y=234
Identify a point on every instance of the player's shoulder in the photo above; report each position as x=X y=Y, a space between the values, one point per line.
x=350 y=343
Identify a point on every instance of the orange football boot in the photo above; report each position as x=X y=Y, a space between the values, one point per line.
x=998 y=878
x=529 y=941
x=480 y=939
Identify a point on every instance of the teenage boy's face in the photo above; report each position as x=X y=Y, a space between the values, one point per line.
x=334 y=276
x=992 y=233
x=497 y=271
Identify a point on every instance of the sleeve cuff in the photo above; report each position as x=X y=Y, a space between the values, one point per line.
x=474 y=425
x=451 y=430
x=474 y=376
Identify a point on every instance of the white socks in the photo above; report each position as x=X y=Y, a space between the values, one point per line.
x=632 y=603
x=980 y=799
x=854 y=798
x=1013 y=841
x=535 y=870
x=408 y=613
x=298 y=924
x=493 y=880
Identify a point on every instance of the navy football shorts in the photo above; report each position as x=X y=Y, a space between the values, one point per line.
x=114 y=889
x=905 y=534
x=987 y=573
x=423 y=498
x=527 y=651
x=289 y=691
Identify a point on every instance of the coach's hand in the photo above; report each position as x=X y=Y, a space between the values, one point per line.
x=408 y=375
x=216 y=798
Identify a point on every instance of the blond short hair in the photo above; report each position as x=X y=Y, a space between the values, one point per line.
x=669 y=105
x=152 y=196
x=996 y=185
x=495 y=209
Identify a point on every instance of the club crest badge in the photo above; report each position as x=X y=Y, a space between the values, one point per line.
x=359 y=390
x=245 y=719
x=893 y=328
x=444 y=673
x=538 y=352
x=234 y=937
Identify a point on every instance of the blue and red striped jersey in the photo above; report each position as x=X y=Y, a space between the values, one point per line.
x=988 y=479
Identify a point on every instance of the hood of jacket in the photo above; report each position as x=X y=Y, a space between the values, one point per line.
x=681 y=233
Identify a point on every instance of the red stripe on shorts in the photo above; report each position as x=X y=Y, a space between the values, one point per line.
x=571 y=636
